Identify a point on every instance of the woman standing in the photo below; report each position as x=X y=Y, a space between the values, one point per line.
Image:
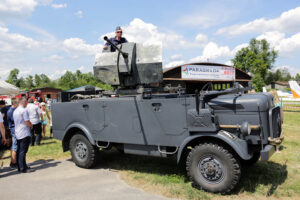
x=46 y=115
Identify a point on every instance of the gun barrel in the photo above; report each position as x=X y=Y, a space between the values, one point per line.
x=125 y=55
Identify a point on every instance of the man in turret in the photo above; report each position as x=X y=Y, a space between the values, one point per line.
x=118 y=39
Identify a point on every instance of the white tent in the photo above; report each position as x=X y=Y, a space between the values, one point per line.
x=8 y=89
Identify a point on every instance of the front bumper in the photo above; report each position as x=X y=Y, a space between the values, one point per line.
x=269 y=149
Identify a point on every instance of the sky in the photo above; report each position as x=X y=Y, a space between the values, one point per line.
x=52 y=36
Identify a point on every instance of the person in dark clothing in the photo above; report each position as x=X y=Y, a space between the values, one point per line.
x=11 y=125
x=4 y=108
x=2 y=134
x=118 y=39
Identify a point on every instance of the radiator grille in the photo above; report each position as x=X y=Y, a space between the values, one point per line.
x=275 y=122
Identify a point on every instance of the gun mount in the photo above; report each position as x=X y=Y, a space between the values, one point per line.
x=133 y=65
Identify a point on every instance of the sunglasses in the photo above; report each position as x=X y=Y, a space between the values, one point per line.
x=119 y=32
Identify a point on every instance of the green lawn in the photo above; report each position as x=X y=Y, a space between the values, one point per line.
x=276 y=179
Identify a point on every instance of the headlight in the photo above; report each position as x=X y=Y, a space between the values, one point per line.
x=245 y=128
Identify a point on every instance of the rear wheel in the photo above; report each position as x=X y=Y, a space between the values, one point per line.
x=213 y=168
x=84 y=154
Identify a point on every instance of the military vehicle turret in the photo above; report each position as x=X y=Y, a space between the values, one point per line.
x=213 y=132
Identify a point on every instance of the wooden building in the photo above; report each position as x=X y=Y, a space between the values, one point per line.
x=201 y=75
x=45 y=93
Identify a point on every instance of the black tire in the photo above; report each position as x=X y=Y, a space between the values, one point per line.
x=84 y=154
x=213 y=168
x=252 y=161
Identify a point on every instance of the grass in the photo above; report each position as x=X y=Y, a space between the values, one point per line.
x=279 y=178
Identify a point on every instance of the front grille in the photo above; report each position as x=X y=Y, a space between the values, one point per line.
x=275 y=122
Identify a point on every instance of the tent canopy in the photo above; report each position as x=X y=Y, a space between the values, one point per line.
x=8 y=89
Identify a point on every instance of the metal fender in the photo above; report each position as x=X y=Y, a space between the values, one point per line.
x=84 y=130
x=238 y=145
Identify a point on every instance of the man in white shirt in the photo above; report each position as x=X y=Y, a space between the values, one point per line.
x=35 y=115
x=23 y=134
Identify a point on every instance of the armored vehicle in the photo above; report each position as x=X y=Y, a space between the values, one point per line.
x=213 y=132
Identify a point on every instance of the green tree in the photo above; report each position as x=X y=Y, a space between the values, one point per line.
x=21 y=83
x=37 y=80
x=45 y=80
x=29 y=82
x=297 y=77
x=256 y=59
x=13 y=77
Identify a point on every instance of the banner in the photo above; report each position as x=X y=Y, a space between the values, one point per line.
x=207 y=72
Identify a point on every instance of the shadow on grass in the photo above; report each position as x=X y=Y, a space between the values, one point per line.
x=153 y=165
x=268 y=174
x=45 y=143
x=36 y=165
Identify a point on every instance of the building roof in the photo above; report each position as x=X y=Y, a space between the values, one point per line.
x=174 y=73
x=8 y=89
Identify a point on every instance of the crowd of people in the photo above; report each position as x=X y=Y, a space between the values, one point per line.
x=23 y=123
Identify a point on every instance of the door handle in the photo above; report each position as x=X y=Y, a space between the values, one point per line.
x=85 y=107
x=156 y=107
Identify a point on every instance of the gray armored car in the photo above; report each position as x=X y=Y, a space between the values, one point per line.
x=213 y=132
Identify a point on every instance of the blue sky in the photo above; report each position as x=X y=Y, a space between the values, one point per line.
x=52 y=36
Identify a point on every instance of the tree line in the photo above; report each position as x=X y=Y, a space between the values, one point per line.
x=67 y=81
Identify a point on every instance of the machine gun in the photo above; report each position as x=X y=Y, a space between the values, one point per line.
x=131 y=67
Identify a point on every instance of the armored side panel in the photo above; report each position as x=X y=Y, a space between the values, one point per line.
x=106 y=68
x=149 y=64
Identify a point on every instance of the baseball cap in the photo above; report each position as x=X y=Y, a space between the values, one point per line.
x=118 y=28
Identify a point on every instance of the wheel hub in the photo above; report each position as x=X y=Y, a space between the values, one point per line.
x=211 y=169
x=81 y=150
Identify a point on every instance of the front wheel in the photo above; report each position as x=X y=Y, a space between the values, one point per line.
x=84 y=154
x=213 y=168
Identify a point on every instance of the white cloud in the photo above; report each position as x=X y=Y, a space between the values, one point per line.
x=4 y=72
x=13 y=42
x=77 y=47
x=25 y=72
x=174 y=63
x=53 y=58
x=238 y=47
x=79 y=14
x=175 y=56
x=57 y=74
x=44 y=2
x=289 y=45
x=10 y=8
x=147 y=33
x=201 y=38
x=57 y=6
x=211 y=52
x=81 y=68
x=229 y=62
x=284 y=45
x=287 y=22
x=273 y=37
